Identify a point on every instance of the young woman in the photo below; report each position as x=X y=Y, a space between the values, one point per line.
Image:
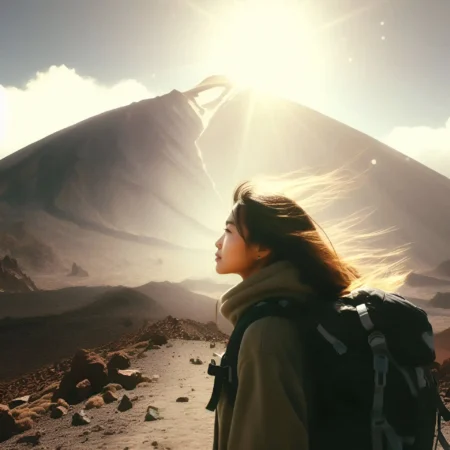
x=277 y=249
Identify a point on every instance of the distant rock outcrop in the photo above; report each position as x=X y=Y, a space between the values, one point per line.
x=12 y=278
x=443 y=269
x=419 y=280
x=441 y=300
x=32 y=253
x=78 y=271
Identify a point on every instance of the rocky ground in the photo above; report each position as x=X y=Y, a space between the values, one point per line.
x=181 y=424
x=140 y=392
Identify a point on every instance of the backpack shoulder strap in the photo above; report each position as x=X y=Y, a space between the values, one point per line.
x=226 y=374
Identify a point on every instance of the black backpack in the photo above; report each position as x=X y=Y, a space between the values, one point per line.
x=370 y=355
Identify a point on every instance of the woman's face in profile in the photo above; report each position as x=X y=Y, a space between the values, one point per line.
x=233 y=255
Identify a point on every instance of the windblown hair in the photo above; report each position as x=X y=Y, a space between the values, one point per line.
x=274 y=220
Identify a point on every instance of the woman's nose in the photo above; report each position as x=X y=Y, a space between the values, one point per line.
x=219 y=243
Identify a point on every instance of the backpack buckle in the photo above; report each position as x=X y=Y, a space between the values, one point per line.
x=377 y=341
x=222 y=372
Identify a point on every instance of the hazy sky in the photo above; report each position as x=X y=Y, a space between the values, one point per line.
x=382 y=67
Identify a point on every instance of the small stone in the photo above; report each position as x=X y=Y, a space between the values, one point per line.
x=196 y=361
x=57 y=412
x=155 y=377
x=125 y=404
x=32 y=439
x=80 y=418
x=109 y=432
x=152 y=414
x=97 y=428
x=182 y=399
x=212 y=345
x=110 y=397
x=18 y=401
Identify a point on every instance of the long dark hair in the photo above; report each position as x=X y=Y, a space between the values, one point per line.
x=277 y=222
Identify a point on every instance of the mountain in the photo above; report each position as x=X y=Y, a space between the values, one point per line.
x=128 y=184
x=251 y=134
x=131 y=194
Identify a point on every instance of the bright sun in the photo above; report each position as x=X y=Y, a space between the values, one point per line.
x=268 y=45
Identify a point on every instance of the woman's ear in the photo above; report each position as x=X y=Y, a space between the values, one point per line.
x=262 y=252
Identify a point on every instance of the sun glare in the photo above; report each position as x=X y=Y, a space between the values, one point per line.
x=268 y=45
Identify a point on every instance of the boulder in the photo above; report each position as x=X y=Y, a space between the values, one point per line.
x=7 y=424
x=85 y=366
x=129 y=379
x=119 y=360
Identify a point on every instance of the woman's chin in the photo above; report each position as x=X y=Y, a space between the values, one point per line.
x=219 y=268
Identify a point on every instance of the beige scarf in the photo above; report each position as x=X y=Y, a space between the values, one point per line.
x=277 y=279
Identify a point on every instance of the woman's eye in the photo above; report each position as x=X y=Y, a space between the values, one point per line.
x=227 y=230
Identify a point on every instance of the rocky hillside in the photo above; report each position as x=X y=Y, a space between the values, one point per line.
x=132 y=342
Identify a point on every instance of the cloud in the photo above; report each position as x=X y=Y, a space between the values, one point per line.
x=55 y=99
x=429 y=146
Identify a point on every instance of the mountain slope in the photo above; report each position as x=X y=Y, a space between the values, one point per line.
x=253 y=134
x=129 y=172
x=128 y=195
